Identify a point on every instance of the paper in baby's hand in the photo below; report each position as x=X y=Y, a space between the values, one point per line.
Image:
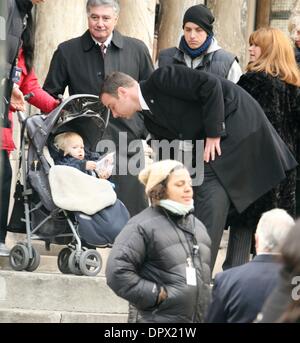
x=105 y=165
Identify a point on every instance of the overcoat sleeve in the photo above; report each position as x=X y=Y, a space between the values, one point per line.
x=197 y=86
x=57 y=77
x=145 y=63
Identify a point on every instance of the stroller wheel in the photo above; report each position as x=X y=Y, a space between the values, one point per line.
x=63 y=260
x=73 y=263
x=90 y=262
x=34 y=262
x=19 y=257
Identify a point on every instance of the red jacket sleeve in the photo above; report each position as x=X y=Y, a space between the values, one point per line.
x=41 y=99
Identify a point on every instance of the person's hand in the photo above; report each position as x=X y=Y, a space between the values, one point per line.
x=35 y=2
x=162 y=295
x=17 y=101
x=90 y=165
x=212 y=145
x=104 y=175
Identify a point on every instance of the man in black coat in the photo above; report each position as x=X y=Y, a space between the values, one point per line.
x=181 y=103
x=239 y=293
x=82 y=63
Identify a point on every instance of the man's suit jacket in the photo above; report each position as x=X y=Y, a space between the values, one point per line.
x=189 y=104
x=239 y=293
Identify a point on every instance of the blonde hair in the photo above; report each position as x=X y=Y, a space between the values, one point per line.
x=61 y=141
x=277 y=55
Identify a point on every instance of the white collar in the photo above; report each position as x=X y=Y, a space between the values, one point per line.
x=268 y=253
x=106 y=43
x=142 y=100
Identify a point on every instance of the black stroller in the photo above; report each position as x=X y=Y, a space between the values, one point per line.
x=43 y=220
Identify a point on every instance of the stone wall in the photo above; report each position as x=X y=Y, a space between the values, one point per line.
x=137 y=19
x=56 y=21
x=234 y=23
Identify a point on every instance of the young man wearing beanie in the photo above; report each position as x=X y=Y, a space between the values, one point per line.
x=198 y=48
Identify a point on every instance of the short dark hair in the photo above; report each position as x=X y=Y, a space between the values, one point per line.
x=115 y=80
x=158 y=193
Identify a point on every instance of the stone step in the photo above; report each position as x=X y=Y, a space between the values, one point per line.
x=48 y=264
x=58 y=292
x=34 y=316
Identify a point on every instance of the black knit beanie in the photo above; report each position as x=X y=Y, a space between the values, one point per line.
x=200 y=15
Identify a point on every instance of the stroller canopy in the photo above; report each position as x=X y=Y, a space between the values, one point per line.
x=82 y=113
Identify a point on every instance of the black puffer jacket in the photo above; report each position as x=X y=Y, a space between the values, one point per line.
x=151 y=251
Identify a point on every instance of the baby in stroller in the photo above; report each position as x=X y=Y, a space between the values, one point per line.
x=61 y=202
x=73 y=153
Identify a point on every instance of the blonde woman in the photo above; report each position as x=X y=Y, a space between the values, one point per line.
x=272 y=78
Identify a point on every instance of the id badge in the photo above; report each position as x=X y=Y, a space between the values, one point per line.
x=16 y=74
x=191 y=279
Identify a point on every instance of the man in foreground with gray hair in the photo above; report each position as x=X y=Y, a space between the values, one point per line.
x=239 y=293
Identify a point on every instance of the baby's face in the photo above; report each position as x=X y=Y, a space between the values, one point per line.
x=75 y=148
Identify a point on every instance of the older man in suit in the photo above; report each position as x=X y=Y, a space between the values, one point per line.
x=181 y=103
x=239 y=293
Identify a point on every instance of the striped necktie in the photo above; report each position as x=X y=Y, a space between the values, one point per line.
x=102 y=48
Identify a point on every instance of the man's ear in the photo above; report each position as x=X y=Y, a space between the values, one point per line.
x=122 y=91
